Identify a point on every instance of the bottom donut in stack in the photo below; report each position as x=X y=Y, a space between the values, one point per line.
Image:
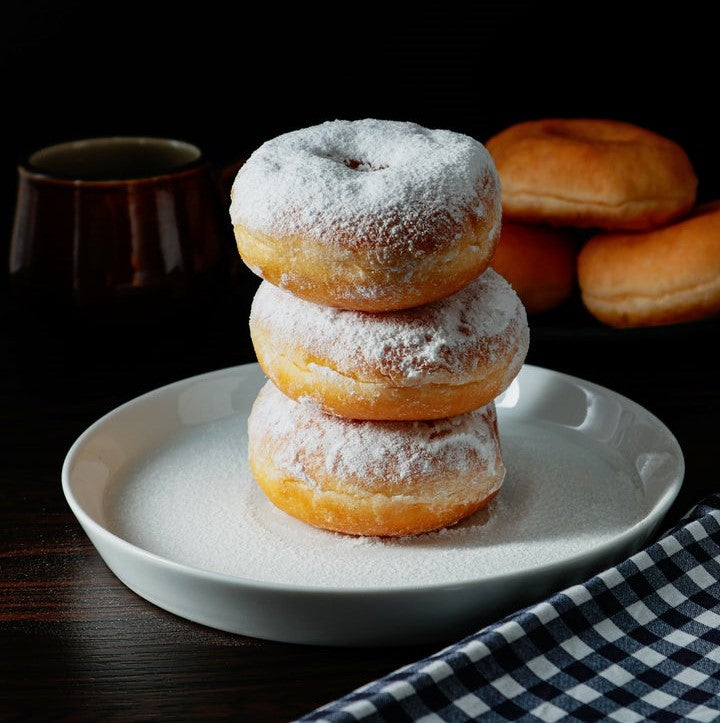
x=384 y=423
x=373 y=478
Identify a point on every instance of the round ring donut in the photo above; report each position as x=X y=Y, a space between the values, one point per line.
x=370 y=215
x=539 y=262
x=428 y=362
x=665 y=276
x=373 y=478
x=592 y=174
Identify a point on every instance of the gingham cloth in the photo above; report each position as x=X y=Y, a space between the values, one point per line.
x=640 y=641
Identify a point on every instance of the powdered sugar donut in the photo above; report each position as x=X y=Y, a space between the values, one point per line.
x=428 y=362
x=370 y=215
x=373 y=478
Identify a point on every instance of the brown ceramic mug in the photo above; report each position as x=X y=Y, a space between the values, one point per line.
x=120 y=217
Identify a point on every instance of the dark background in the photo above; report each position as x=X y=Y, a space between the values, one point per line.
x=227 y=77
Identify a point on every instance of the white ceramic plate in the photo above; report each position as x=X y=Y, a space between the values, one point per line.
x=162 y=488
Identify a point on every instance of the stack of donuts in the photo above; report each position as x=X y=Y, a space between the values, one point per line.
x=646 y=254
x=384 y=334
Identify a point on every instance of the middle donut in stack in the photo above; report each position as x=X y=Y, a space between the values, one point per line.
x=384 y=334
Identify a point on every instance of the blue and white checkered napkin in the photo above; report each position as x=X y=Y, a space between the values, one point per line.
x=640 y=641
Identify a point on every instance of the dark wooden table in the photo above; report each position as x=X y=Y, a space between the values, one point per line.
x=78 y=645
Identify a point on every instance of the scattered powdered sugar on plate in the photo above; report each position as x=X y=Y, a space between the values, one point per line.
x=193 y=501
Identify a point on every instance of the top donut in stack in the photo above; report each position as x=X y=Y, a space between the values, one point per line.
x=368 y=215
x=375 y=237
x=379 y=309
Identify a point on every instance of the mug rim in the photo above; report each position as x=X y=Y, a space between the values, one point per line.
x=29 y=165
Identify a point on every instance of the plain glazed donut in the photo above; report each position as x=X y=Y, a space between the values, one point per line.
x=433 y=361
x=372 y=478
x=539 y=262
x=592 y=173
x=665 y=276
x=370 y=215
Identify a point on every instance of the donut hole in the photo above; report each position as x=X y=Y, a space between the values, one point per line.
x=354 y=165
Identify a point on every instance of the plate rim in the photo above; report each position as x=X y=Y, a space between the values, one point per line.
x=647 y=523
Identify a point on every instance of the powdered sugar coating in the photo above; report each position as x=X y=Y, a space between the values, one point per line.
x=310 y=445
x=447 y=341
x=392 y=184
